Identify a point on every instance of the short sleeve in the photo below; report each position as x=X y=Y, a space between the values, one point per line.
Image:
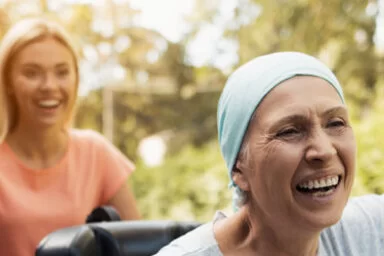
x=115 y=167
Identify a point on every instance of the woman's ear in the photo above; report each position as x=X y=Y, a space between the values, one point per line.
x=239 y=176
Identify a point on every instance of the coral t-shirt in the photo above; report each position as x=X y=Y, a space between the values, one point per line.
x=33 y=203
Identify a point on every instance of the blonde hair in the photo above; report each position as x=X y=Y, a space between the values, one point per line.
x=21 y=34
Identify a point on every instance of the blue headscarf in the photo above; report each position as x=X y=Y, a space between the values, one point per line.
x=247 y=87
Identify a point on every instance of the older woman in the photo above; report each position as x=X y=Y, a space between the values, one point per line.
x=290 y=151
x=51 y=176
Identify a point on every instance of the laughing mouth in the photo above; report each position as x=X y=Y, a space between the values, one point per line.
x=49 y=104
x=323 y=186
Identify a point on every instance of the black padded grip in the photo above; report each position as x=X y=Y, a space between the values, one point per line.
x=107 y=244
x=123 y=238
x=73 y=241
x=103 y=213
x=145 y=238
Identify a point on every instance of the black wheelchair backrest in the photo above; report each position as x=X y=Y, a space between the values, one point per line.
x=120 y=238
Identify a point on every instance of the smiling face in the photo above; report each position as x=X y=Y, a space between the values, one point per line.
x=300 y=163
x=43 y=83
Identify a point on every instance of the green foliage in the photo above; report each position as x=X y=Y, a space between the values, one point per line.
x=136 y=116
x=190 y=185
x=370 y=141
x=340 y=32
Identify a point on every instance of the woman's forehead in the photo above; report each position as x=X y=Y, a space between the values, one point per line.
x=299 y=95
x=300 y=90
x=47 y=51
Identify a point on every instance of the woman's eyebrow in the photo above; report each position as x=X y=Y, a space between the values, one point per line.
x=35 y=65
x=62 y=64
x=292 y=118
x=30 y=65
x=335 y=110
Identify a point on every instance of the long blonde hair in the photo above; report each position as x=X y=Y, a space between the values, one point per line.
x=21 y=34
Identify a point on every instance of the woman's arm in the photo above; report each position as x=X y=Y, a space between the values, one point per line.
x=124 y=202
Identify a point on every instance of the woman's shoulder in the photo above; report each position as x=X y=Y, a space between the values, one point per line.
x=199 y=242
x=84 y=133
x=88 y=136
x=91 y=143
x=360 y=208
x=360 y=229
x=363 y=211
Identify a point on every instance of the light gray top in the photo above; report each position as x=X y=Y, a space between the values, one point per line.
x=360 y=232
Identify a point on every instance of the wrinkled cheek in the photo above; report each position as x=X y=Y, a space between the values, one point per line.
x=283 y=159
x=348 y=153
x=278 y=167
x=350 y=161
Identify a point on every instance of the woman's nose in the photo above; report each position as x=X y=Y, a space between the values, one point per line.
x=321 y=148
x=49 y=83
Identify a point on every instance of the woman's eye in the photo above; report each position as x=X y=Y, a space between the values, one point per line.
x=287 y=132
x=31 y=73
x=62 y=73
x=336 y=123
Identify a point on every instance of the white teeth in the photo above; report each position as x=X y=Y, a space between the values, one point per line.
x=323 y=193
x=321 y=183
x=48 y=103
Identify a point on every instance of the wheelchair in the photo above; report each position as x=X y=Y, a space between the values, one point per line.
x=104 y=234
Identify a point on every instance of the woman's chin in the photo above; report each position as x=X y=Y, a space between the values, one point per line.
x=48 y=123
x=322 y=209
x=320 y=220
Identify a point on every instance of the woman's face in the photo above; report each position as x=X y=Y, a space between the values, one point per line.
x=43 y=83
x=301 y=162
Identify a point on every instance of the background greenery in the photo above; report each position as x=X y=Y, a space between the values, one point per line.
x=173 y=98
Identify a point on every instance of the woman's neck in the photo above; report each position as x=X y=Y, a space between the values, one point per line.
x=38 y=148
x=243 y=234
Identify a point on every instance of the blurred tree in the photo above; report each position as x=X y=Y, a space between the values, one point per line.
x=339 y=32
x=370 y=141
x=188 y=186
x=4 y=22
